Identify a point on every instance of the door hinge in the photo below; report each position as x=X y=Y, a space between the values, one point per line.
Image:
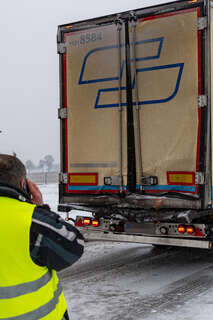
x=62 y=113
x=202 y=23
x=61 y=48
x=133 y=16
x=202 y=101
x=149 y=181
x=63 y=178
x=113 y=180
x=199 y=178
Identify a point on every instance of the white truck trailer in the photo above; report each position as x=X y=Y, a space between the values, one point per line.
x=136 y=134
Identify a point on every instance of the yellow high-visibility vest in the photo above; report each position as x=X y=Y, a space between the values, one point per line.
x=27 y=291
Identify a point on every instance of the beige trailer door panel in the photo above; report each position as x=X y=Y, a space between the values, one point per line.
x=167 y=78
x=94 y=142
x=168 y=101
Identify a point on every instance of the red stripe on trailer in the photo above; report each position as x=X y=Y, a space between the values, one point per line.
x=172 y=191
x=65 y=106
x=91 y=191
x=199 y=93
x=164 y=15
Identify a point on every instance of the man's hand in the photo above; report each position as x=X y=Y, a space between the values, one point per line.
x=35 y=193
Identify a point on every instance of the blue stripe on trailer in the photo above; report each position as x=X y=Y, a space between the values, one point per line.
x=167 y=187
x=93 y=188
x=156 y=187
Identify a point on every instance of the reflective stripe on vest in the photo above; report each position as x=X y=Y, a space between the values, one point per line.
x=27 y=291
x=25 y=288
x=42 y=311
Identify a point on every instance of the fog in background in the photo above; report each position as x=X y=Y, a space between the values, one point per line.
x=29 y=69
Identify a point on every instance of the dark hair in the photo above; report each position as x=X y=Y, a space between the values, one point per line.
x=12 y=170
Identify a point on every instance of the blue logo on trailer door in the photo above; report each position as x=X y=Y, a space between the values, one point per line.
x=115 y=77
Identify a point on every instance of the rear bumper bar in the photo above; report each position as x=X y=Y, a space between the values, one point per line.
x=100 y=236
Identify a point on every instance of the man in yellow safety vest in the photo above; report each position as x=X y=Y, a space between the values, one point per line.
x=34 y=243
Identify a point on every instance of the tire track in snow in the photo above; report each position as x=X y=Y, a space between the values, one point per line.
x=168 y=299
x=116 y=284
x=116 y=260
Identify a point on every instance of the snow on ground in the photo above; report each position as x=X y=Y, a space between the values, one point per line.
x=114 y=281
x=50 y=196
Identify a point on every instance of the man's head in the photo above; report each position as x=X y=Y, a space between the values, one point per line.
x=12 y=170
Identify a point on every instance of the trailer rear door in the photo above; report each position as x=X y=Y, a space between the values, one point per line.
x=93 y=66
x=169 y=82
x=158 y=77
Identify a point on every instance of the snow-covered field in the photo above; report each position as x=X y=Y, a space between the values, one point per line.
x=117 y=281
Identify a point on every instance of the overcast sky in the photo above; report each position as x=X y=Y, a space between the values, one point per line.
x=29 y=69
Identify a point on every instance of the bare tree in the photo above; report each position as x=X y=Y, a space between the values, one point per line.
x=29 y=165
x=49 y=160
x=41 y=164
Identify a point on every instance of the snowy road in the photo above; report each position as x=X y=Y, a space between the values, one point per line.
x=115 y=281
x=121 y=281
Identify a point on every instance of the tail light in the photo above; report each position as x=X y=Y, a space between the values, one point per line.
x=79 y=223
x=190 y=229
x=199 y=232
x=95 y=223
x=181 y=229
x=86 y=221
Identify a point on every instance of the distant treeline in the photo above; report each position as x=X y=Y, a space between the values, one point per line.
x=46 y=164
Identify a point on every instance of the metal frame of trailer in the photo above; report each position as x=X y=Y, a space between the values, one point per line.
x=99 y=236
